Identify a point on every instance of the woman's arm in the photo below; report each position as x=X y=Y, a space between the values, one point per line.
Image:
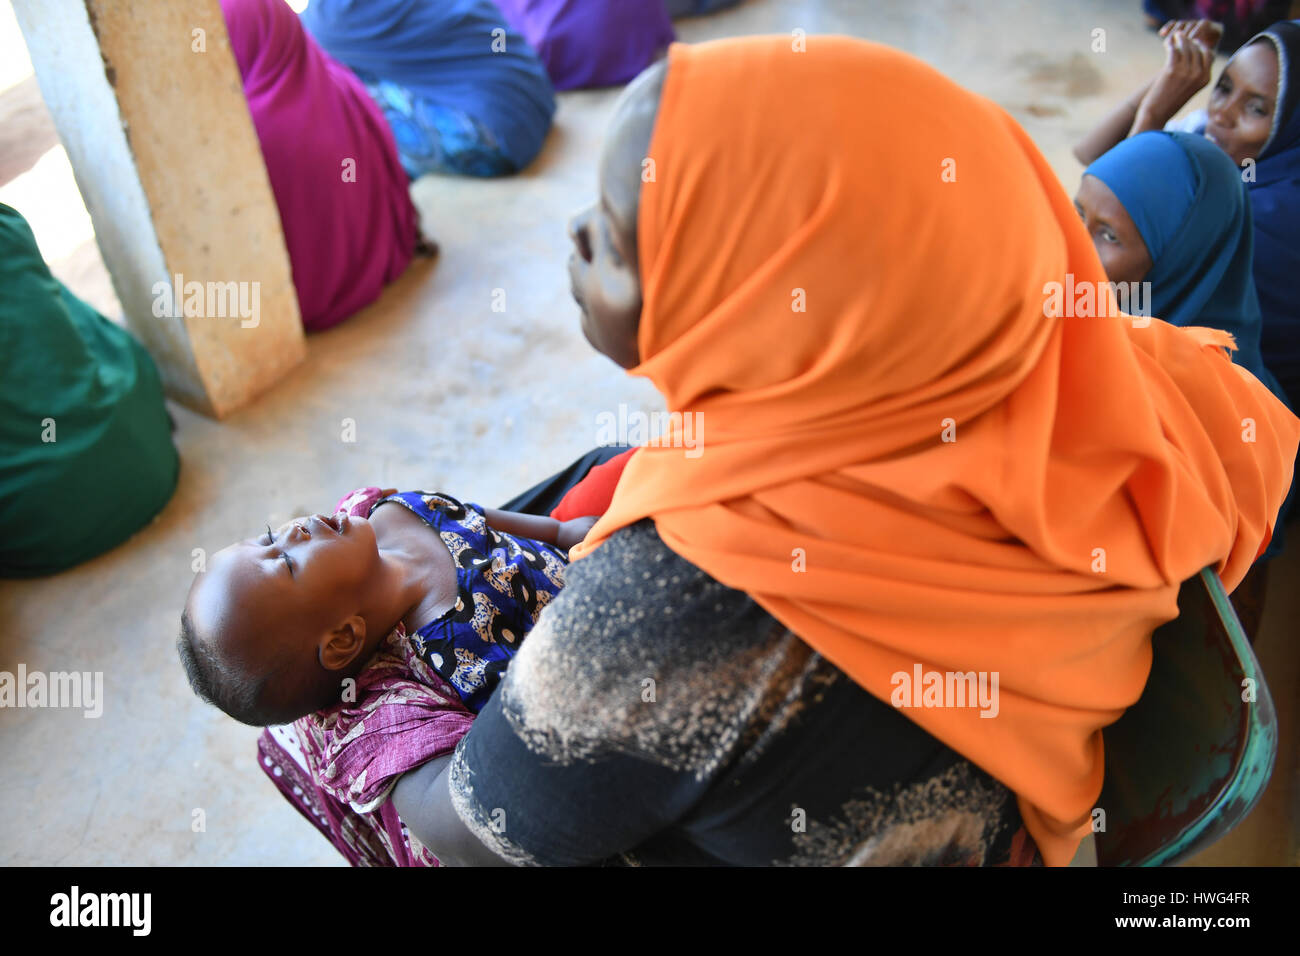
x=1189 y=60
x=422 y=799
x=1113 y=129
x=1188 y=65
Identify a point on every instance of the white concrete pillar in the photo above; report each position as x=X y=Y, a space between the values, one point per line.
x=147 y=99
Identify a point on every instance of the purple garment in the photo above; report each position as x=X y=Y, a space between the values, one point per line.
x=586 y=43
x=343 y=196
x=338 y=766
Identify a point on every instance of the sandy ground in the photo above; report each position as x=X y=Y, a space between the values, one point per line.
x=446 y=394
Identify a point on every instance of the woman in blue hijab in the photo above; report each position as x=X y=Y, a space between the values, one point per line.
x=463 y=92
x=1170 y=209
x=1253 y=115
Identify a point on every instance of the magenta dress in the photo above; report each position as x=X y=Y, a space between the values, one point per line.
x=589 y=43
x=343 y=196
x=338 y=767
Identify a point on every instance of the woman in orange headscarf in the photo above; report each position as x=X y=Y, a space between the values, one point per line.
x=926 y=450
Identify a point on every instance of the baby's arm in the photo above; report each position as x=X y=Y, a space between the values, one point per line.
x=562 y=534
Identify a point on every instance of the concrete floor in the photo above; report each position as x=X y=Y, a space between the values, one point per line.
x=445 y=394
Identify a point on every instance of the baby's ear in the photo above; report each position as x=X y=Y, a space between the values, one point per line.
x=342 y=645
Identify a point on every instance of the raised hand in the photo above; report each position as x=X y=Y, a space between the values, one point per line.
x=1205 y=32
x=1187 y=69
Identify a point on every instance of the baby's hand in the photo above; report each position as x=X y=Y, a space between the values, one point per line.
x=574 y=530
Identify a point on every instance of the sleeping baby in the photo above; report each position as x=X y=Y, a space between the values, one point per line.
x=281 y=625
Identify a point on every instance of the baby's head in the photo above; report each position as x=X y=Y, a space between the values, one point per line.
x=276 y=622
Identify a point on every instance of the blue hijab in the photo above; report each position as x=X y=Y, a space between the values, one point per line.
x=1275 y=196
x=1188 y=202
x=448 y=53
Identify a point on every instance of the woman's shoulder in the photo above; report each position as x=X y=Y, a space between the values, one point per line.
x=635 y=584
x=626 y=559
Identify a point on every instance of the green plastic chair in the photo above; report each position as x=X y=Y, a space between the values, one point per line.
x=1190 y=759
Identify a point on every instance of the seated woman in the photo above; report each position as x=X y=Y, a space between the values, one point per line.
x=590 y=43
x=1275 y=198
x=463 y=92
x=1170 y=209
x=343 y=196
x=913 y=478
x=1254 y=117
x=86 y=455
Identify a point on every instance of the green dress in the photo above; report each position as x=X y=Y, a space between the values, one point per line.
x=86 y=456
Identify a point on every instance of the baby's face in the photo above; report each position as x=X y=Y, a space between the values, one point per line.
x=289 y=586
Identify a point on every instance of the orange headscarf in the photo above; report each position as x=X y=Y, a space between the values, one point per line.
x=1095 y=464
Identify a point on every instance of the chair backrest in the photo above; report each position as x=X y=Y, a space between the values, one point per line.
x=1192 y=757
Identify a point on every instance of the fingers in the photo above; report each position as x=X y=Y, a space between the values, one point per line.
x=1179 y=60
x=1200 y=60
x=1186 y=57
x=1171 y=53
x=1207 y=32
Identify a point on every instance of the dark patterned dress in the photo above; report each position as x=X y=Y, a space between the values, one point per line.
x=656 y=717
x=502 y=582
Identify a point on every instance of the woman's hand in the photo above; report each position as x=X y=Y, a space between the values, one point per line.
x=1188 y=65
x=1206 y=32
x=574 y=530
